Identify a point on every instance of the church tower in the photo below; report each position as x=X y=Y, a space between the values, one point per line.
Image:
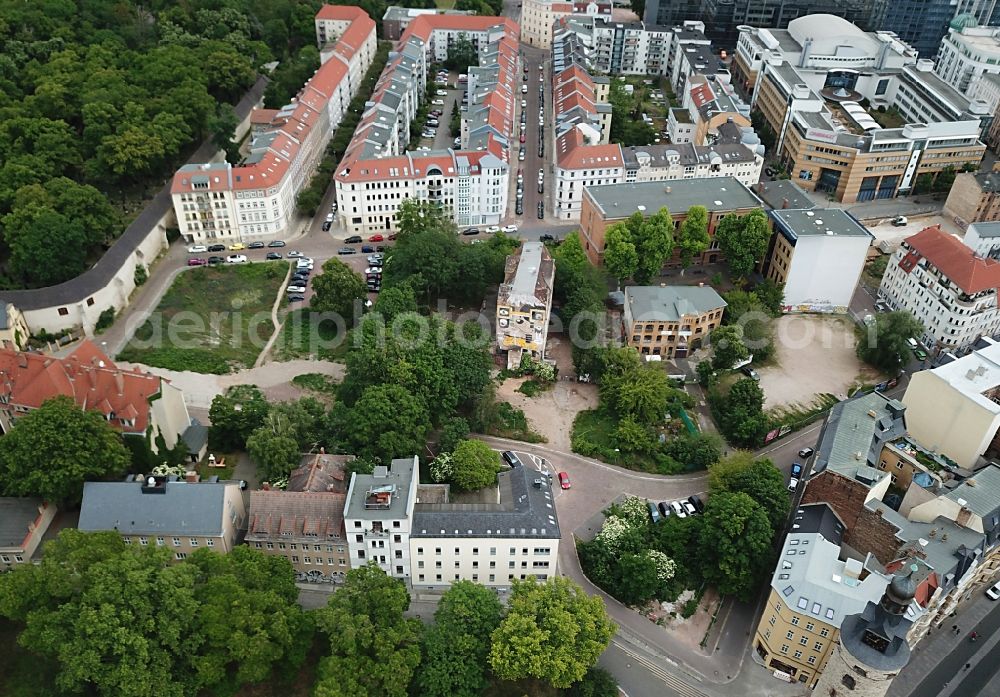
x=872 y=648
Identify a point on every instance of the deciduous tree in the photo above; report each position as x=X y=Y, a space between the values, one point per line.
x=235 y=415
x=475 y=465
x=386 y=422
x=337 y=289
x=620 y=257
x=883 y=343
x=693 y=238
x=274 y=452
x=744 y=240
x=727 y=346
x=735 y=543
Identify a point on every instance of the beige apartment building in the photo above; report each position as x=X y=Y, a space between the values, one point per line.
x=975 y=197
x=23 y=523
x=669 y=321
x=524 y=303
x=181 y=515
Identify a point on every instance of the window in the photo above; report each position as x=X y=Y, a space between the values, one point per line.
x=397 y=538
x=179 y=555
x=143 y=541
x=307 y=560
x=790 y=634
x=420 y=550
x=848 y=681
x=295 y=558
x=771 y=621
x=810 y=626
x=798 y=654
x=399 y=569
x=818 y=646
x=395 y=523
x=804 y=641
x=209 y=543
x=812 y=660
x=795 y=620
x=159 y=542
x=824 y=632
x=784 y=648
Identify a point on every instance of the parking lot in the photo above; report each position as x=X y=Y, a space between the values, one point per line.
x=892 y=235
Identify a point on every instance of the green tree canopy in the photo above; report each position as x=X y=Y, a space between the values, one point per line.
x=620 y=256
x=735 y=544
x=476 y=465
x=740 y=413
x=744 y=240
x=235 y=415
x=693 y=236
x=274 y=452
x=374 y=650
x=728 y=348
x=759 y=479
x=883 y=343
x=641 y=393
x=386 y=422
x=54 y=449
x=553 y=631
x=337 y=289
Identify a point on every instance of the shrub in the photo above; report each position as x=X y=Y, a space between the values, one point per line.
x=105 y=320
x=141 y=275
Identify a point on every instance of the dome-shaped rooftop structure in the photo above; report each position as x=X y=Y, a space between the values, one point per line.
x=831 y=35
x=965 y=20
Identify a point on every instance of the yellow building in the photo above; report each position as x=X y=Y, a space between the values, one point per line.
x=524 y=303
x=812 y=591
x=668 y=321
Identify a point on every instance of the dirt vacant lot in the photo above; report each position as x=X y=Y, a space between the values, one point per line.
x=814 y=355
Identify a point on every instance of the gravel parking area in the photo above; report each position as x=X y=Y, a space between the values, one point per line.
x=814 y=354
x=884 y=230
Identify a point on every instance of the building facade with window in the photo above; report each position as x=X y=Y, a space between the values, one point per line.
x=23 y=523
x=974 y=197
x=946 y=286
x=968 y=52
x=255 y=200
x=669 y=321
x=812 y=591
x=524 y=303
x=181 y=515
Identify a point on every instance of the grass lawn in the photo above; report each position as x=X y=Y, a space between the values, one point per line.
x=888 y=119
x=212 y=320
x=303 y=337
x=316 y=382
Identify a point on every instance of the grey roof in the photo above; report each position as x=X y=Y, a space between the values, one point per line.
x=785 y=40
x=852 y=438
x=812 y=578
x=669 y=303
x=663 y=155
x=940 y=544
x=195 y=436
x=398 y=475
x=922 y=80
x=717 y=194
x=3 y=315
x=893 y=628
x=988 y=182
x=524 y=511
x=775 y=193
x=981 y=493
x=179 y=508
x=832 y=222
x=987 y=229
x=16 y=514
x=528 y=277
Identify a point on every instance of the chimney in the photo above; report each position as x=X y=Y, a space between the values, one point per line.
x=22 y=359
x=784 y=203
x=191 y=477
x=120 y=382
x=963 y=517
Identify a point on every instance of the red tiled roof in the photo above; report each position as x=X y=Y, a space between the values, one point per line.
x=296 y=514
x=423 y=25
x=87 y=376
x=572 y=152
x=702 y=94
x=346 y=13
x=262 y=115
x=973 y=274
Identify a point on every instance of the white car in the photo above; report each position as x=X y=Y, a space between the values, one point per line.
x=793 y=484
x=236 y=259
x=524 y=103
x=493 y=228
x=509 y=228
x=678 y=509
x=441 y=93
x=304 y=260
x=295 y=289
x=520 y=155
x=329 y=217
x=524 y=89
x=438 y=102
x=197 y=249
x=993 y=592
x=292 y=254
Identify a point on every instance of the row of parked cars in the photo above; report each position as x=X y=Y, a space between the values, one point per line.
x=234 y=247
x=682 y=508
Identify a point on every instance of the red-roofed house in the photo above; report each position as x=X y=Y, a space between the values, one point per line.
x=133 y=402
x=946 y=286
x=218 y=202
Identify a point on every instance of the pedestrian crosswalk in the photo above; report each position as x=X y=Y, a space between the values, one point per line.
x=679 y=685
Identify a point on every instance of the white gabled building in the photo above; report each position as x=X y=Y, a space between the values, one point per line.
x=219 y=202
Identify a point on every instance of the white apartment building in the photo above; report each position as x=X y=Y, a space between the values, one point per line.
x=378 y=515
x=256 y=200
x=377 y=174
x=966 y=54
x=946 y=286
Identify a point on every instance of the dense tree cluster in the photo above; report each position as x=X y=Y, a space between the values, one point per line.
x=626 y=126
x=739 y=413
x=124 y=620
x=104 y=99
x=580 y=291
x=639 y=247
x=743 y=239
x=882 y=343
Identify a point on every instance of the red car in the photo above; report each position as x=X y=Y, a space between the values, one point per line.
x=195 y=261
x=522 y=137
x=376 y=238
x=392 y=236
x=564 y=480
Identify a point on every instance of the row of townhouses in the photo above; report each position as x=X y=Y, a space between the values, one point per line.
x=217 y=201
x=890 y=539
x=377 y=173
x=718 y=140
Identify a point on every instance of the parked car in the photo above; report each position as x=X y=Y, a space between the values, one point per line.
x=900 y=220
x=520 y=155
x=769 y=171
x=237 y=246
x=546 y=238
x=276 y=243
x=367 y=249
x=993 y=592
x=353 y=239
x=492 y=228
x=519 y=207
x=509 y=228
x=654 y=512
x=688 y=508
x=296 y=298
x=326 y=225
x=295 y=289
x=196 y=261
x=212 y=261
x=511 y=458
x=392 y=236
x=665 y=510
x=541 y=186
x=329 y=217
x=470 y=231
x=295 y=254
x=541 y=210
x=197 y=249
x=750 y=373
x=216 y=247
x=806 y=452
x=695 y=501
x=797 y=470
x=678 y=509
x=438 y=102
x=564 y=480
x=236 y=259
x=920 y=354
x=255 y=245
x=376 y=238
x=346 y=250
x=380 y=248
x=441 y=93
x=273 y=255
x=793 y=483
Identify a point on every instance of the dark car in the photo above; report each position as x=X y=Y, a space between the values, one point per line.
x=273 y=255
x=347 y=250
x=326 y=225
x=696 y=501
x=255 y=245
x=796 y=470
x=806 y=452
x=353 y=239
x=511 y=459
x=380 y=248
x=216 y=247
x=296 y=298
x=367 y=248
x=519 y=207
x=546 y=238
x=541 y=186
x=665 y=510
x=470 y=231
x=769 y=171
x=276 y=243
x=541 y=210
x=654 y=512
x=216 y=260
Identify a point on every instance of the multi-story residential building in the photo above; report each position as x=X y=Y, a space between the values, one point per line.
x=378 y=516
x=397 y=19
x=984 y=239
x=603 y=206
x=818 y=255
x=304 y=523
x=512 y=534
x=952 y=408
x=255 y=200
x=618 y=48
x=524 y=303
x=712 y=103
x=946 y=286
x=135 y=403
x=23 y=524
x=813 y=590
x=181 y=515
x=581 y=101
x=968 y=52
x=987 y=90
x=974 y=197
x=680 y=125
x=836 y=147
x=669 y=321
x=376 y=174
x=538 y=16
x=415 y=534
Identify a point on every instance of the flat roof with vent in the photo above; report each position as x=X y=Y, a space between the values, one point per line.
x=830 y=222
x=717 y=194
